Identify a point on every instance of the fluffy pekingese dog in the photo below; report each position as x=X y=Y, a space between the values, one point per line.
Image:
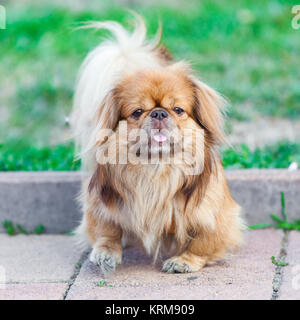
x=148 y=132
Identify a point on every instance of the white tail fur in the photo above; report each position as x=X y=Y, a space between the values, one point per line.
x=101 y=70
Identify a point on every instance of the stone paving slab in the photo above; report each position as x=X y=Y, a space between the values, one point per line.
x=38 y=258
x=48 y=198
x=33 y=291
x=290 y=288
x=246 y=275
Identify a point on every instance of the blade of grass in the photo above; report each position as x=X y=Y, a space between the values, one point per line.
x=260 y=226
x=283 y=212
x=21 y=229
x=39 y=229
x=276 y=218
x=278 y=263
x=9 y=227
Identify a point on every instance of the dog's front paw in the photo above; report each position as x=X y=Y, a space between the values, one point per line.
x=179 y=264
x=106 y=260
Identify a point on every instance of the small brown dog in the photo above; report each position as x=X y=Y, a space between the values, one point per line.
x=133 y=108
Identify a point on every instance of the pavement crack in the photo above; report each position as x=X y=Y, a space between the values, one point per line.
x=279 y=270
x=76 y=272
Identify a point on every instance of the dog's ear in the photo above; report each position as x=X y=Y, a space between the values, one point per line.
x=208 y=111
x=101 y=183
x=106 y=121
x=109 y=112
x=107 y=117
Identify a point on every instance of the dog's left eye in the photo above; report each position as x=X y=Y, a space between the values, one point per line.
x=137 y=113
x=178 y=110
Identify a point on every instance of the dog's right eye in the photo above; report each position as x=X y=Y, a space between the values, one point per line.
x=137 y=113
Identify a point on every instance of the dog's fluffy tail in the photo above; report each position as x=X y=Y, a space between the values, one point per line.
x=104 y=66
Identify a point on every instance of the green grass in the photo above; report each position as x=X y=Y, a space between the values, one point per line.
x=12 y=229
x=279 y=223
x=278 y=263
x=279 y=155
x=103 y=283
x=246 y=49
x=15 y=157
x=284 y=223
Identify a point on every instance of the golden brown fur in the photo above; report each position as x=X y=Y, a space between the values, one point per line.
x=191 y=216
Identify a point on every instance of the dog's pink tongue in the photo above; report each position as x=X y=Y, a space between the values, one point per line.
x=159 y=137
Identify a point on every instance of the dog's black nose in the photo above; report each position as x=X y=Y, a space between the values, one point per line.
x=159 y=114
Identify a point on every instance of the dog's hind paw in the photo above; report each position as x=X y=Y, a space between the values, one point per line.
x=106 y=260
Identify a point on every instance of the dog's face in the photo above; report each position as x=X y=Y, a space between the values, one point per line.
x=163 y=110
x=158 y=106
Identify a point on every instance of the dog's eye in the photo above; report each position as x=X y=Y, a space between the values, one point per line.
x=137 y=113
x=178 y=110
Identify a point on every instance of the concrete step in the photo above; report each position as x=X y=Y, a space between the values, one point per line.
x=48 y=198
x=52 y=267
